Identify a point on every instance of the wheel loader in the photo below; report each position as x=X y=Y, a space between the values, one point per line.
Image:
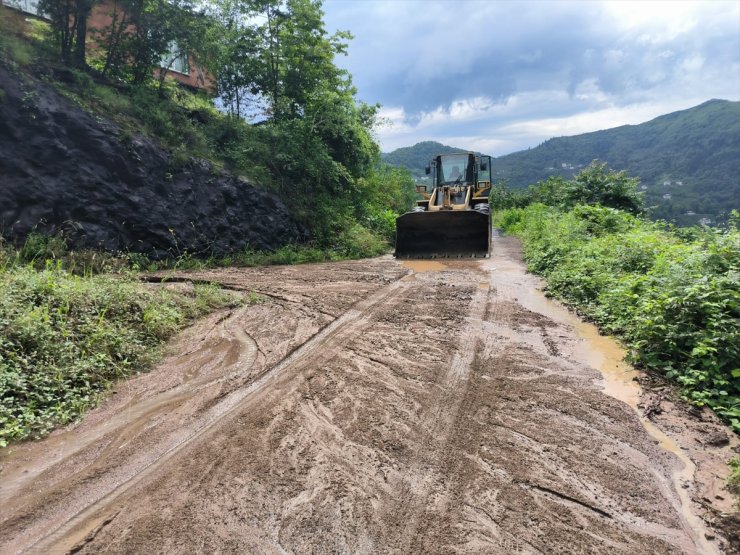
x=453 y=220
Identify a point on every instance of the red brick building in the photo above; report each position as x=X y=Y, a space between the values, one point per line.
x=181 y=66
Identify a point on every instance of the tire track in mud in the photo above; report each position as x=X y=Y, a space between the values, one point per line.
x=671 y=481
x=224 y=352
x=95 y=514
x=438 y=426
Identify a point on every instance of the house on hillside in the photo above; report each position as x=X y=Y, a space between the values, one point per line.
x=179 y=65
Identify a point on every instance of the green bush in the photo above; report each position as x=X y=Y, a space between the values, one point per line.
x=673 y=297
x=65 y=339
x=596 y=184
x=733 y=480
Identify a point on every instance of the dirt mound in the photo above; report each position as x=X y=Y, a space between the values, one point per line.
x=63 y=169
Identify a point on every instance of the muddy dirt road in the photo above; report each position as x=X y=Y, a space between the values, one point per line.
x=374 y=407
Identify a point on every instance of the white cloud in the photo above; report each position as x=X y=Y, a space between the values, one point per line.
x=693 y=63
x=659 y=21
x=588 y=90
x=584 y=122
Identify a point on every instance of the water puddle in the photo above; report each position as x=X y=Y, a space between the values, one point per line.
x=419 y=266
x=605 y=354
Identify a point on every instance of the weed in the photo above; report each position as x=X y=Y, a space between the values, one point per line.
x=112 y=100
x=733 y=480
x=65 y=339
x=254 y=298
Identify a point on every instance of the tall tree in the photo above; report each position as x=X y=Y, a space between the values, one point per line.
x=82 y=12
x=69 y=27
x=279 y=53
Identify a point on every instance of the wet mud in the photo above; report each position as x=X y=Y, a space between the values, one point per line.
x=376 y=406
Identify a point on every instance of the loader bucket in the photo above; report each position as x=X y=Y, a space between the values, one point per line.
x=443 y=234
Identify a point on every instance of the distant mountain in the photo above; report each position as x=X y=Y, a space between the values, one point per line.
x=418 y=156
x=688 y=161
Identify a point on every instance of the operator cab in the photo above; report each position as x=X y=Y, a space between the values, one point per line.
x=455 y=169
x=453 y=181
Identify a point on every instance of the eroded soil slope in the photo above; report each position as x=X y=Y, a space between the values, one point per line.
x=364 y=407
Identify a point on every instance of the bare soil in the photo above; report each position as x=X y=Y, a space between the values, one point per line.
x=377 y=407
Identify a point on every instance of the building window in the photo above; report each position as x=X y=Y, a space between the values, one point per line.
x=27 y=6
x=176 y=60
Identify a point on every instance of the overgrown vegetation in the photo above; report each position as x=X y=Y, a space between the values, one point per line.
x=733 y=480
x=358 y=247
x=595 y=184
x=64 y=339
x=672 y=295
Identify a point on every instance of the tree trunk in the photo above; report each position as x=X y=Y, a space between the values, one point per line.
x=114 y=41
x=82 y=12
x=66 y=31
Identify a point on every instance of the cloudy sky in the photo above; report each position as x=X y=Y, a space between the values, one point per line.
x=498 y=76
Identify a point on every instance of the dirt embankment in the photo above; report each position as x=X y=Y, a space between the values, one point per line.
x=135 y=196
x=368 y=408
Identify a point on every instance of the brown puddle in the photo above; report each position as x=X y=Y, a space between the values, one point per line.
x=607 y=356
x=419 y=266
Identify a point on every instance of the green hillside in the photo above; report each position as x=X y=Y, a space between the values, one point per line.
x=416 y=157
x=688 y=161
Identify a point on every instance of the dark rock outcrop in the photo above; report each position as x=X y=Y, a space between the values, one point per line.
x=62 y=169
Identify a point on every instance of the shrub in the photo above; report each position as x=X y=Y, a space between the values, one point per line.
x=733 y=480
x=64 y=339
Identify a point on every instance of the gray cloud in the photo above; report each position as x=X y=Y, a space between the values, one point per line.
x=535 y=60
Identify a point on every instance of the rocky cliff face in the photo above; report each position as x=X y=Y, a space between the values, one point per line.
x=63 y=169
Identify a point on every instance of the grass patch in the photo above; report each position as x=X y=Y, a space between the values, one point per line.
x=39 y=249
x=288 y=255
x=64 y=339
x=733 y=480
x=14 y=47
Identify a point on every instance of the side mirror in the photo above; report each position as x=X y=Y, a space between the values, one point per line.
x=428 y=170
x=484 y=166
